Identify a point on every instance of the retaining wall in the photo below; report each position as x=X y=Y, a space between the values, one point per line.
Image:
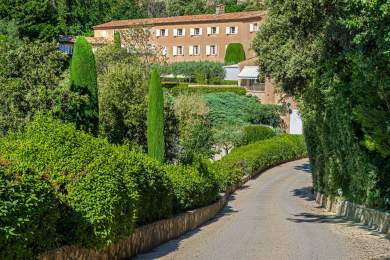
x=375 y=219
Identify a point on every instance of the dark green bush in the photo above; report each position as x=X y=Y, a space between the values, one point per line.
x=169 y=84
x=199 y=71
x=194 y=185
x=104 y=186
x=184 y=89
x=230 y=82
x=258 y=156
x=235 y=53
x=254 y=133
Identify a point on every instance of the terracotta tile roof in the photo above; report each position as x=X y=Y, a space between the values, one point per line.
x=203 y=18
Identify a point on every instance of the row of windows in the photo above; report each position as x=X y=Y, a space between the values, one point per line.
x=193 y=50
x=179 y=32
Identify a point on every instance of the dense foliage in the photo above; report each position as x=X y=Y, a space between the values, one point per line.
x=230 y=108
x=195 y=136
x=256 y=157
x=202 y=72
x=235 y=53
x=155 y=124
x=185 y=89
x=334 y=56
x=45 y=20
x=32 y=79
x=83 y=80
x=254 y=133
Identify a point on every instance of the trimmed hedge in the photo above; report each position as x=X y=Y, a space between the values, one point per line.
x=182 y=88
x=258 y=156
x=254 y=133
x=103 y=189
x=235 y=53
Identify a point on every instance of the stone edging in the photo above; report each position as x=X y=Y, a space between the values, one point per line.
x=147 y=237
x=375 y=219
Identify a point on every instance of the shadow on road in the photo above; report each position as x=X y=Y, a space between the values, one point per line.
x=174 y=244
x=304 y=193
x=305 y=167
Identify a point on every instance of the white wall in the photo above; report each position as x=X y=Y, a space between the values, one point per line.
x=295 y=123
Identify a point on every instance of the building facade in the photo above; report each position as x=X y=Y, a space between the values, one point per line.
x=194 y=37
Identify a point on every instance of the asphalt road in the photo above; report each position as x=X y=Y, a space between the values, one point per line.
x=275 y=217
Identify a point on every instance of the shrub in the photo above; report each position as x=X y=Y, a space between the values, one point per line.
x=169 y=84
x=83 y=80
x=258 y=156
x=185 y=89
x=230 y=108
x=254 y=133
x=155 y=130
x=201 y=71
x=193 y=185
x=234 y=53
x=103 y=186
x=117 y=40
x=30 y=215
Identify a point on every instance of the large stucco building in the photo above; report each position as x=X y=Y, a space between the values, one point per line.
x=194 y=37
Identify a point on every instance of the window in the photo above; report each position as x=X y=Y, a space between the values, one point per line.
x=180 y=51
x=212 y=30
x=180 y=32
x=197 y=31
x=164 y=32
x=253 y=27
x=164 y=51
x=213 y=50
x=232 y=30
x=196 y=50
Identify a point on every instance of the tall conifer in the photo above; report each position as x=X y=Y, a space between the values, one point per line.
x=83 y=80
x=155 y=132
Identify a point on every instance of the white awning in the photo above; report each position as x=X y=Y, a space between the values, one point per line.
x=249 y=72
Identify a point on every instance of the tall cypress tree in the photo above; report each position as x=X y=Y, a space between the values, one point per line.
x=83 y=80
x=155 y=132
x=117 y=40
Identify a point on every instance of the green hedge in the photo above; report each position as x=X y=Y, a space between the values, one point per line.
x=235 y=53
x=258 y=156
x=194 y=185
x=183 y=88
x=104 y=189
x=254 y=133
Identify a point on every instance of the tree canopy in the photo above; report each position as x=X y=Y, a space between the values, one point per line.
x=334 y=57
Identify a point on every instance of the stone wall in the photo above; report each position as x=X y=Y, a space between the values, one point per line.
x=374 y=219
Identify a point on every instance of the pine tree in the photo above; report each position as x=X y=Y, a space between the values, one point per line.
x=83 y=80
x=155 y=132
x=234 y=53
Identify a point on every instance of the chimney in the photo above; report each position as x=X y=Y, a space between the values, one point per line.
x=220 y=9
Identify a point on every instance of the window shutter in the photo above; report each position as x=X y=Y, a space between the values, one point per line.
x=228 y=30
x=191 y=50
x=216 y=49
x=200 y=31
x=207 y=50
x=208 y=30
x=174 y=51
x=184 y=31
x=251 y=27
x=217 y=29
x=166 y=32
x=158 y=32
x=236 y=29
x=174 y=32
x=192 y=31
